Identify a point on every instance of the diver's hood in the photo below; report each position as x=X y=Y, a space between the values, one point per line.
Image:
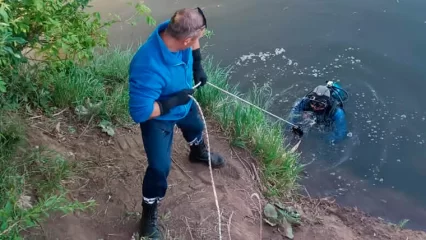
x=320 y=94
x=322 y=91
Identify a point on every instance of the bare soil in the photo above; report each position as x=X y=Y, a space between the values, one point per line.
x=112 y=172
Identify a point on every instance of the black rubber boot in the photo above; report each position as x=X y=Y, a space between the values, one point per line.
x=199 y=154
x=148 y=225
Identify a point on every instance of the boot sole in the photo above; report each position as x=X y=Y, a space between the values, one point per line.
x=139 y=237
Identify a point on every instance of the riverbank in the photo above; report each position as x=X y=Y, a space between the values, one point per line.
x=114 y=167
x=74 y=151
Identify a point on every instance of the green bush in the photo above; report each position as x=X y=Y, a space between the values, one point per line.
x=52 y=31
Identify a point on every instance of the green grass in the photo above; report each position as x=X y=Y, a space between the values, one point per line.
x=99 y=87
x=31 y=181
x=402 y=223
x=251 y=129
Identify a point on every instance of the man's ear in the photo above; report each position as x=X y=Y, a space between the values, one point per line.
x=187 y=42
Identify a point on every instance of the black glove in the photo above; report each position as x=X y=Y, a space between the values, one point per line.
x=297 y=129
x=199 y=74
x=177 y=99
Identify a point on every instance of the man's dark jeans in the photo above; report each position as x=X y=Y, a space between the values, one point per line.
x=157 y=136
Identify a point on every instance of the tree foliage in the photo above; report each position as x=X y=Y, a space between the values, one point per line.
x=51 y=30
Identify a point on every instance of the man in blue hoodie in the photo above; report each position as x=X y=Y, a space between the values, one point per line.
x=161 y=79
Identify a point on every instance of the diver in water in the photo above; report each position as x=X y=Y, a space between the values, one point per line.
x=325 y=102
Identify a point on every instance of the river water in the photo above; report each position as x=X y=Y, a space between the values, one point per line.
x=375 y=49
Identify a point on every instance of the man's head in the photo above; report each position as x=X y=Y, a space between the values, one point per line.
x=319 y=98
x=186 y=27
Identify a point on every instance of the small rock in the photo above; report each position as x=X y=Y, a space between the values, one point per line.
x=24 y=202
x=271 y=214
x=71 y=155
x=58 y=127
x=288 y=230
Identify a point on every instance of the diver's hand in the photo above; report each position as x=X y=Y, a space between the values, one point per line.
x=296 y=129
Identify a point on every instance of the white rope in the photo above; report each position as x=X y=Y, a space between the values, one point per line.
x=249 y=103
x=210 y=166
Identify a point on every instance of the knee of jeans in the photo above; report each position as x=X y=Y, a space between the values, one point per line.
x=160 y=169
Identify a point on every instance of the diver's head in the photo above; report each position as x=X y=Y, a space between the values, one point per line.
x=319 y=99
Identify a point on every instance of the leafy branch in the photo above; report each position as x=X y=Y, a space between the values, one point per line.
x=54 y=30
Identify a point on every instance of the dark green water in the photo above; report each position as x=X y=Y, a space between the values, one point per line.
x=377 y=49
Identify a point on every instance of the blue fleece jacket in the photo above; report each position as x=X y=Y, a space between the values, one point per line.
x=155 y=73
x=338 y=119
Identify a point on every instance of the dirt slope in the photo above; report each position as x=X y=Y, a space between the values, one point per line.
x=112 y=175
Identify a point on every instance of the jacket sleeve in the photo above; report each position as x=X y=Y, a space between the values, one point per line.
x=297 y=110
x=340 y=130
x=144 y=89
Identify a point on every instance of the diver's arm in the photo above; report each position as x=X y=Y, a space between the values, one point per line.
x=340 y=126
x=297 y=109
